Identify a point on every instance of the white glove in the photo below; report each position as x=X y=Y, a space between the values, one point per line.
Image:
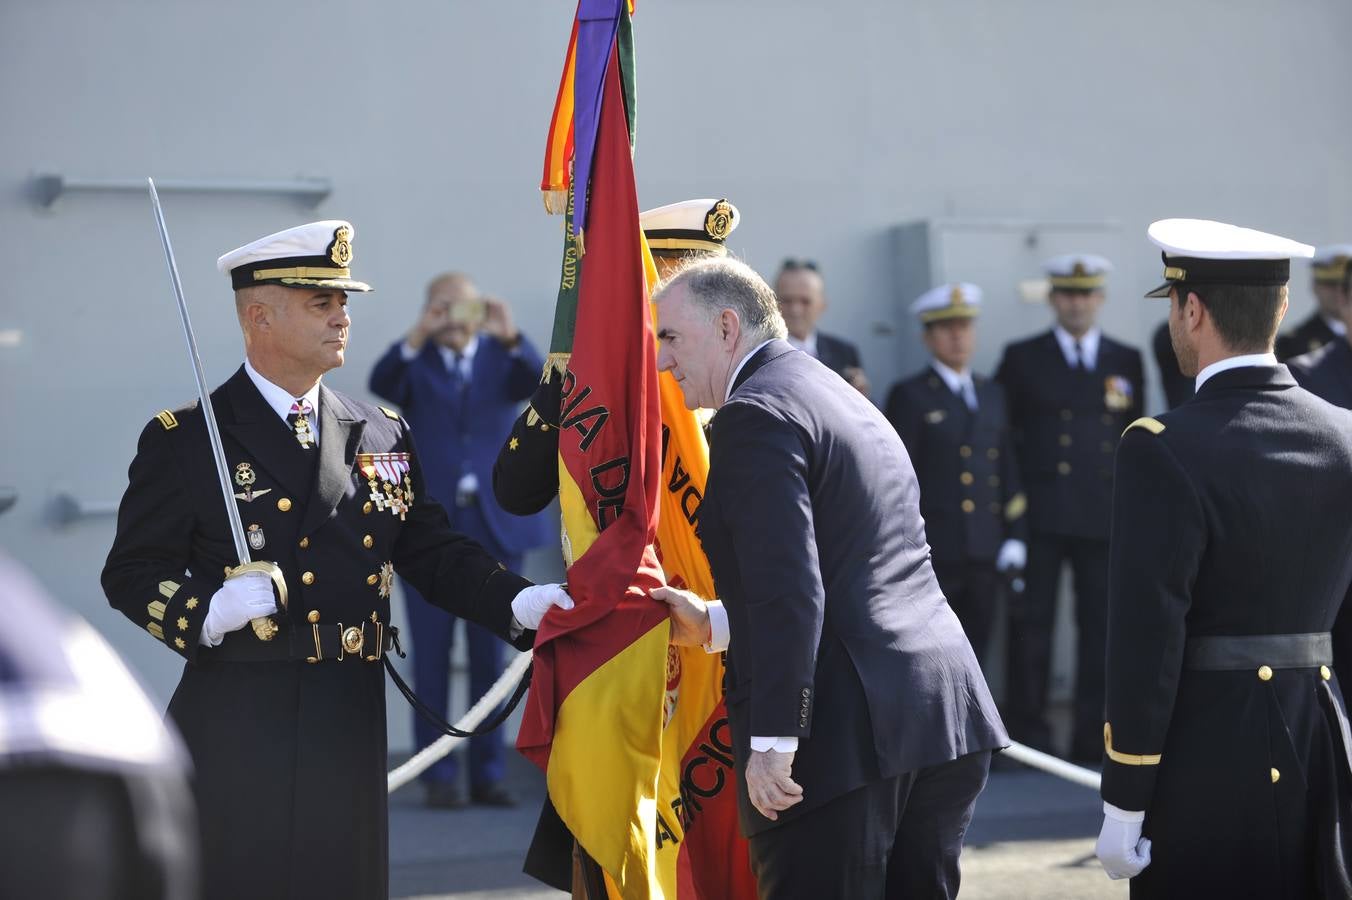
x=529 y=606
x=1120 y=848
x=239 y=600
x=1013 y=555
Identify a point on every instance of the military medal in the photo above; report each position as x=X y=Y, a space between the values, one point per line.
x=255 y=536
x=1116 y=393
x=386 y=580
x=388 y=476
x=245 y=478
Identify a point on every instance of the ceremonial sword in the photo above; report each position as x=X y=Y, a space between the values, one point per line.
x=264 y=627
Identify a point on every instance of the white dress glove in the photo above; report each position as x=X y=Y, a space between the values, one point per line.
x=1013 y=555
x=1120 y=848
x=239 y=600
x=529 y=606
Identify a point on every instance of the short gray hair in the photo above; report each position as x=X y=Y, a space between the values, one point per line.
x=720 y=282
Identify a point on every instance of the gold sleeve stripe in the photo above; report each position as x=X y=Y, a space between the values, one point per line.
x=390 y=413
x=1154 y=426
x=168 y=588
x=1126 y=759
x=156 y=610
x=167 y=419
x=156 y=630
x=1016 y=507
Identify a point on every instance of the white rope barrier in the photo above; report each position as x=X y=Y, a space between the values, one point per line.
x=1051 y=765
x=426 y=757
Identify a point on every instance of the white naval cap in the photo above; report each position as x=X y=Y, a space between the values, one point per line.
x=1077 y=271
x=699 y=225
x=958 y=300
x=1331 y=262
x=317 y=254
x=1200 y=251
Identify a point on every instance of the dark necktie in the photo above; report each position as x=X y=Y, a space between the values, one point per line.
x=1077 y=363
x=299 y=420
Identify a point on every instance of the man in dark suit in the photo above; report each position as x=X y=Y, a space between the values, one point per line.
x=802 y=300
x=1226 y=770
x=285 y=720
x=459 y=377
x=861 y=723
x=955 y=429
x=1325 y=324
x=1071 y=392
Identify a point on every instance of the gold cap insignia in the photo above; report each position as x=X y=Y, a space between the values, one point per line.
x=955 y=297
x=1079 y=271
x=718 y=222
x=340 y=251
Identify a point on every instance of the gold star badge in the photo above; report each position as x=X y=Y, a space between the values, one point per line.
x=178 y=642
x=182 y=624
x=513 y=444
x=192 y=603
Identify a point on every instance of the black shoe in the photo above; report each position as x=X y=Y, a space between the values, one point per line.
x=491 y=795
x=444 y=795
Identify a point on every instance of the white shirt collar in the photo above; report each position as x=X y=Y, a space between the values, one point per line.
x=954 y=380
x=1234 y=362
x=466 y=355
x=738 y=370
x=1089 y=345
x=1336 y=325
x=278 y=398
x=808 y=346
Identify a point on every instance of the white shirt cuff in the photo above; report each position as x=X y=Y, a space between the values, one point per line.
x=407 y=353
x=779 y=744
x=1113 y=812
x=720 y=634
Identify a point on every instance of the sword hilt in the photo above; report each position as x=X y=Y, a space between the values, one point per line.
x=265 y=627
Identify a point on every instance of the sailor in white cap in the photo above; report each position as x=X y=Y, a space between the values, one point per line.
x=287 y=731
x=956 y=430
x=1071 y=391
x=1327 y=371
x=1328 y=270
x=1226 y=769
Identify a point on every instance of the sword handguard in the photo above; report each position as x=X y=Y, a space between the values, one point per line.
x=264 y=627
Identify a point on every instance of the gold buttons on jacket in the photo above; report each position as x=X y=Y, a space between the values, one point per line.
x=308 y=578
x=968 y=506
x=284 y=504
x=372 y=579
x=1064 y=440
x=1276 y=776
x=1063 y=468
x=1324 y=673
x=966 y=478
x=313 y=617
x=304 y=543
x=368 y=542
x=964 y=451
x=1264 y=673
x=366 y=508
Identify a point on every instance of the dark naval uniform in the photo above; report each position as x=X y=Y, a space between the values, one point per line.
x=526 y=472
x=970 y=496
x=288 y=736
x=1306 y=337
x=1066 y=424
x=1232 y=552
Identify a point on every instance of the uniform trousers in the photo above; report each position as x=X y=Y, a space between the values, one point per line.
x=896 y=838
x=433 y=636
x=1031 y=620
x=972 y=589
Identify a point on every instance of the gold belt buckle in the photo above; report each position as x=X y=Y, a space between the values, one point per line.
x=353 y=639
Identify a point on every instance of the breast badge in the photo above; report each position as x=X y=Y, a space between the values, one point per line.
x=387 y=475
x=935 y=416
x=1117 y=393
x=256 y=539
x=386 y=580
x=245 y=478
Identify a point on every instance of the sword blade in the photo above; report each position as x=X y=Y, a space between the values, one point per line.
x=203 y=394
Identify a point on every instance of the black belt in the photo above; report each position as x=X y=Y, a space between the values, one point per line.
x=1251 y=651
x=364 y=642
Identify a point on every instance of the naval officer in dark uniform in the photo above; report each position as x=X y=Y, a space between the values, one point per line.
x=956 y=431
x=1226 y=769
x=284 y=716
x=1325 y=325
x=1071 y=391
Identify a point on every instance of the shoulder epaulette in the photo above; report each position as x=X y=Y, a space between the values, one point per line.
x=1152 y=425
x=167 y=419
x=390 y=413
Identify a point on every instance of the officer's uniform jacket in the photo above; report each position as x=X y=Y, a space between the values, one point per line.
x=1065 y=425
x=1306 y=337
x=288 y=740
x=1231 y=518
x=970 y=496
x=1326 y=372
x=526 y=471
